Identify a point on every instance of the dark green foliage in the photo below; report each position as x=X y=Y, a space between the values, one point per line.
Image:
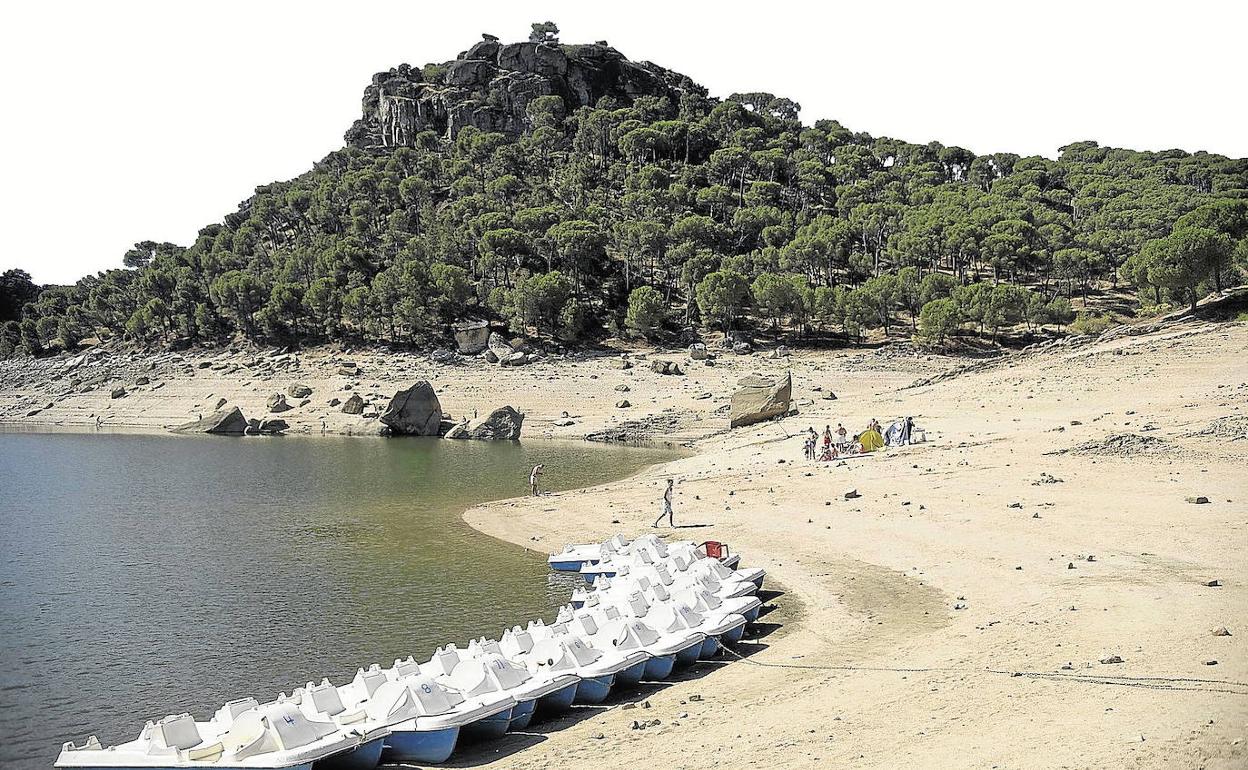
x=646 y=310
x=16 y=289
x=707 y=206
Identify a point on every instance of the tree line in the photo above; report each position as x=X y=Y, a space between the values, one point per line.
x=652 y=216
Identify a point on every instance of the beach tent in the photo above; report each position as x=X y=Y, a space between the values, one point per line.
x=893 y=434
x=871 y=440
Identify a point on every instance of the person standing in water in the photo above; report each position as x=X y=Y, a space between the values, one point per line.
x=667 y=506
x=534 y=476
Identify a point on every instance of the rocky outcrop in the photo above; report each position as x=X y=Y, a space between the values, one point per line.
x=502 y=424
x=353 y=405
x=277 y=403
x=760 y=398
x=472 y=337
x=413 y=411
x=223 y=421
x=491 y=85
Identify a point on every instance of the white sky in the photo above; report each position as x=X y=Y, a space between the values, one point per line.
x=127 y=121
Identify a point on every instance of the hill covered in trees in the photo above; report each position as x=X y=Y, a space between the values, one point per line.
x=577 y=194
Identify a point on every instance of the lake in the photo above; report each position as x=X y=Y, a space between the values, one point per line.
x=143 y=575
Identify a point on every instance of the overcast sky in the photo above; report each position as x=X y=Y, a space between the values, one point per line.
x=126 y=121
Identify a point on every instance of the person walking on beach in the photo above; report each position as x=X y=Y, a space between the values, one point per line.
x=841 y=433
x=667 y=506
x=534 y=476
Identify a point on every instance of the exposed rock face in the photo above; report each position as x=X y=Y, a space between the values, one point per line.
x=223 y=421
x=490 y=86
x=472 y=337
x=353 y=405
x=502 y=424
x=760 y=398
x=298 y=390
x=273 y=425
x=277 y=403
x=414 y=411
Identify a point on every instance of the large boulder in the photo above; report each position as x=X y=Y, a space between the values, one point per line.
x=273 y=425
x=472 y=337
x=353 y=405
x=760 y=398
x=414 y=411
x=499 y=345
x=223 y=421
x=697 y=351
x=298 y=390
x=502 y=424
x=277 y=403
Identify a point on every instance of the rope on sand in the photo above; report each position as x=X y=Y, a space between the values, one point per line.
x=1174 y=683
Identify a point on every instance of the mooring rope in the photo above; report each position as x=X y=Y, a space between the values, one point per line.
x=1146 y=682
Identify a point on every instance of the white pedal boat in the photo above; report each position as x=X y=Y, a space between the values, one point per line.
x=275 y=736
x=573 y=557
x=484 y=716
x=490 y=672
x=705 y=614
x=423 y=719
x=611 y=630
x=551 y=648
x=625 y=663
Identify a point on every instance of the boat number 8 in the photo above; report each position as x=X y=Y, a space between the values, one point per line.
x=426 y=688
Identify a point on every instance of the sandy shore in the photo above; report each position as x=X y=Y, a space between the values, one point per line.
x=1042 y=529
x=165 y=390
x=1023 y=538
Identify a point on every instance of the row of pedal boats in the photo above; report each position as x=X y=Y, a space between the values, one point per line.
x=651 y=607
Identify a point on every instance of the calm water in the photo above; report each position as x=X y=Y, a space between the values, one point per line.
x=147 y=575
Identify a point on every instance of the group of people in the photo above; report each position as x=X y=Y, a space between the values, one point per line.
x=833 y=445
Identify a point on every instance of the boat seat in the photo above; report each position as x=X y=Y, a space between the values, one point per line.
x=325 y=698
x=179 y=731
x=351 y=717
x=209 y=751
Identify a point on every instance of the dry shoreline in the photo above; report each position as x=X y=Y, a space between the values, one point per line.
x=957 y=613
x=1042 y=529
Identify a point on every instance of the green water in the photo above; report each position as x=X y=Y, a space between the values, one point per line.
x=146 y=575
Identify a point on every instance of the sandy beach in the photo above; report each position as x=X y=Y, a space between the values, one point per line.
x=956 y=613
